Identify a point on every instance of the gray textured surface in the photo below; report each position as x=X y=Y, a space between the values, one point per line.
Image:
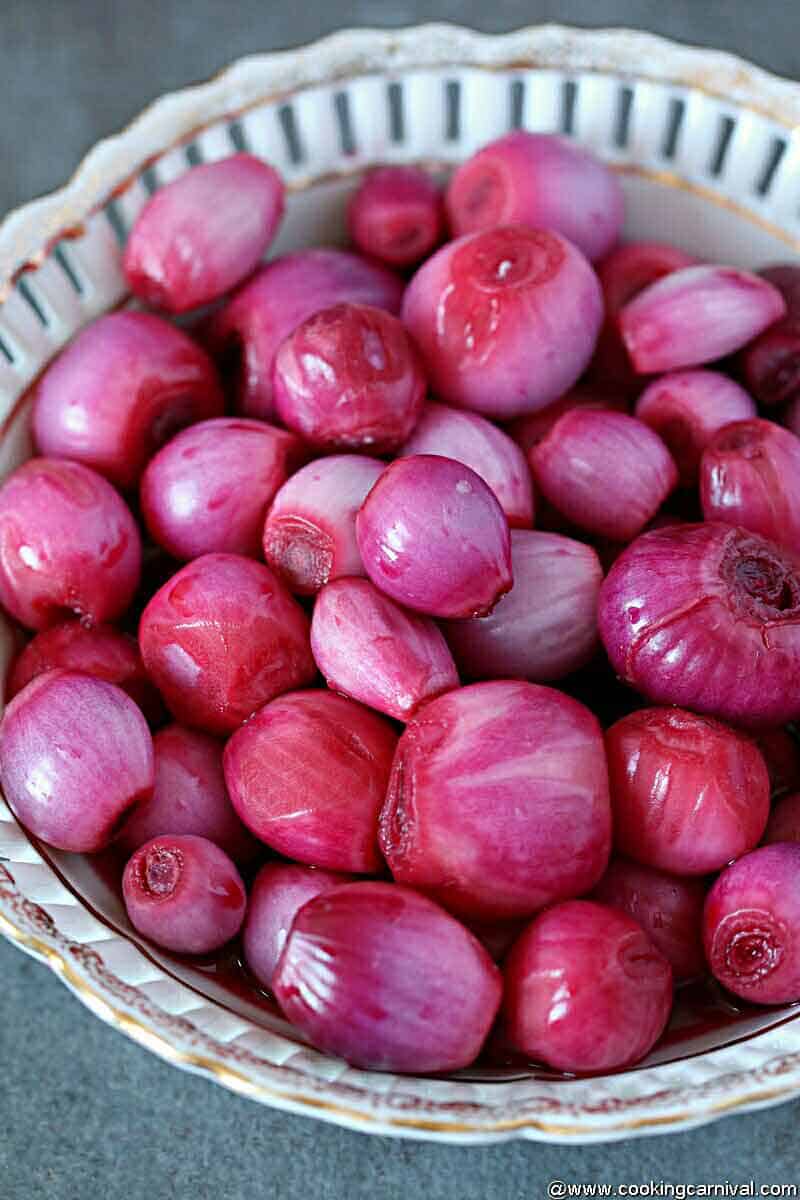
x=84 y=1112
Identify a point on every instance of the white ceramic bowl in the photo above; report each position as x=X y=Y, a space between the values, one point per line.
x=708 y=151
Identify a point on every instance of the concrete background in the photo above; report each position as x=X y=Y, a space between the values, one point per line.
x=83 y=1112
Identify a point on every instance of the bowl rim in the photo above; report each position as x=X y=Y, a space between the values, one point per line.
x=28 y=233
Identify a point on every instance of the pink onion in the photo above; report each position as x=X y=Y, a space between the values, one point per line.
x=310 y=532
x=349 y=378
x=95 y=650
x=433 y=536
x=528 y=431
x=605 y=471
x=687 y=408
x=370 y=649
x=506 y=320
x=75 y=755
x=308 y=774
x=546 y=626
x=750 y=476
x=695 y=316
x=624 y=272
x=279 y=892
x=770 y=365
x=542 y=181
x=498 y=801
x=208 y=490
x=222 y=637
x=203 y=233
x=479 y=444
x=247 y=331
x=752 y=926
x=184 y=893
x=68 y=545
x=396 y=215
x=189 y=796
x=707 y=616
x=781 y=753
x=688 y=793
x=784 y=821
x=668 y=908
x=119 y=390
x=586 y=989
x=381 y=977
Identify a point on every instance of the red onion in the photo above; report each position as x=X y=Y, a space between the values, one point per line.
x=626 y=270
x=68 y=545
x=586 y=989
x=784 y=821
x=247 y=331
x=479 y=444
x=381 y=977
x=695 y=316
x=669 y=910
x=528 y=431
x=433 y=536
x=349 y=378
x=687 y=408
x=750 y=476
x=396 y=215
x=546 y=626
x=542 y=181
x=119 y=390
x=203 y=233
x=308 y=774
x=209 y=489
x=605 y=471
x=75 y=755
x=184 y=893
x=781 y=753
x=770 y=365
x=310 y=531
x=279 y=892
x=506 y=319
x=688 y=793
x=498 y=801
x=98 y=650
x=369 y=648
x=707 y=616
x=752 y=926
x=222 y=637
x=189 y=796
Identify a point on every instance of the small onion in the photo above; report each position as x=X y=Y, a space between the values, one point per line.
x=498 y=801
x=668 y=908
x=687 y=408
x=750 y=476
x=528 y=431
x=208 y=490
x=708 y=617
x=307 y=775
x=586 y=989
x=433 y=536
x=278 y=893
x=542 y=181
x=605 y=471
x=689 y=794
x=382 y=977
x=695 y=316
x=75 y=756
x=506 y=319
x=396 y=215
x=372 y=650
x=752 y=926
x=184 y=893
x=546 y=626
x=310 y=533
x=476 y=442
x=770 y=365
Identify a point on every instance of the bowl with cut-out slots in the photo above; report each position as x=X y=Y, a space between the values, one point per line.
x=704 y=147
